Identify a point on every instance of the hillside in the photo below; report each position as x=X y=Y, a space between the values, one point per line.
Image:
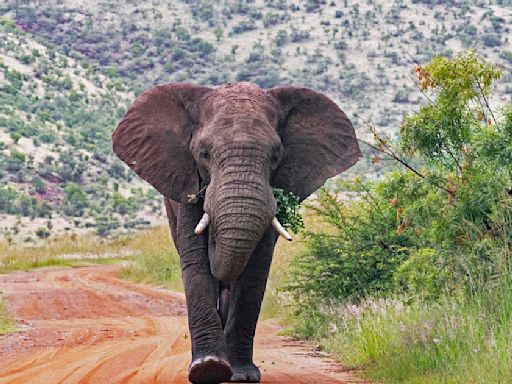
x=69 y=69
x=57 y=171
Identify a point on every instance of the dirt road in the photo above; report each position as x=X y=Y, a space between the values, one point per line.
x=84 y=325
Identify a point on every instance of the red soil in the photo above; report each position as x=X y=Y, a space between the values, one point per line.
x=84 y=325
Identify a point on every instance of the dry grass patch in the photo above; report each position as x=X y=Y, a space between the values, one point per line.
x=73 y=250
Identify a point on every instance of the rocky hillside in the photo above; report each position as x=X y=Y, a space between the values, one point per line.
x=69 y=68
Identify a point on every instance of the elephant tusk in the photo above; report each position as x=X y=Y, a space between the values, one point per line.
x=280 y=229
x=203 y=223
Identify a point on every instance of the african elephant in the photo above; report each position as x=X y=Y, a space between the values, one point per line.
x=234 y=143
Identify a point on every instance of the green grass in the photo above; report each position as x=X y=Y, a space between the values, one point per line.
x=458 y=340
x=89 y=249
x=6 y=322
x=157 y=262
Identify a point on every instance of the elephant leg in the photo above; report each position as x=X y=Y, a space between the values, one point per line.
x=209 y=352
x=244 y=308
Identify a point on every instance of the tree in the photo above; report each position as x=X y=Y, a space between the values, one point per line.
x=218 y=33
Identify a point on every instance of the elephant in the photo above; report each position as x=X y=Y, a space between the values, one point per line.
x=215 y=153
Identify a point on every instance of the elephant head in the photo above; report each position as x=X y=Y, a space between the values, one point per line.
x=238 y=141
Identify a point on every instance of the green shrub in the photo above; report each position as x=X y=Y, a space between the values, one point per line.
x=42 y=232
x=15 y=161
x=412 y=280
x=456 y=340
x=423 y=231
x=281 y=38
x=75 y=199
x=38 y=184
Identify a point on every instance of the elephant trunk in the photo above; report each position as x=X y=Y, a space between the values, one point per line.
x=241 y=208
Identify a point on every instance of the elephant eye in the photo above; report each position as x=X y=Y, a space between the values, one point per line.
x=204 y=154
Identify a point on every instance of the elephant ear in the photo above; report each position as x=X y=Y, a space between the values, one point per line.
x=319 y=140
x=154 y=135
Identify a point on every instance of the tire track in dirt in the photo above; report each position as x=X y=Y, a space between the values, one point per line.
x=85 y=326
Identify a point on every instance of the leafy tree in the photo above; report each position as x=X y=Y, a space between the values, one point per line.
x=15 y=136
x=218 y=32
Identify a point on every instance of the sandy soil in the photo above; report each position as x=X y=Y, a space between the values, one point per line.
x=84 y=325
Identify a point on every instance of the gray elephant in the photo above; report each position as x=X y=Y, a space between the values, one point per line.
x=233 y=142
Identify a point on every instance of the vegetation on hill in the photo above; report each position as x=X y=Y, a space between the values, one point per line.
x=55 y=152
x=70 y=69
x=341 y=48
x=412 y=281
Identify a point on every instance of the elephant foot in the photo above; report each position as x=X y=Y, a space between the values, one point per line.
x=209 y=370
x=248 y=373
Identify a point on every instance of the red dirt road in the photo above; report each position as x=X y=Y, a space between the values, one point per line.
x=84 y=325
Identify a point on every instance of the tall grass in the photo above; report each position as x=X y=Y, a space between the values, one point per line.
x=156 y=261
x=464 y=339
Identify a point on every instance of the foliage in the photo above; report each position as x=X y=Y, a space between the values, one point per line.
x=75 y=197
x=104 y=225
x=67 y=94
x=435 y=234
x=288 y=209
x=459 y=339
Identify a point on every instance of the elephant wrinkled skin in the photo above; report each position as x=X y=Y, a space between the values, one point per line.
x=234 y=142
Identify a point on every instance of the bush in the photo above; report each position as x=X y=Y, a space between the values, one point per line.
x=38 y=184
x=281 y=38
x=243 y=26
x=15 y=161
x=492 y=40
x=42 y=232
x=75 y=200
x=429 y=230
x=104 y=225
